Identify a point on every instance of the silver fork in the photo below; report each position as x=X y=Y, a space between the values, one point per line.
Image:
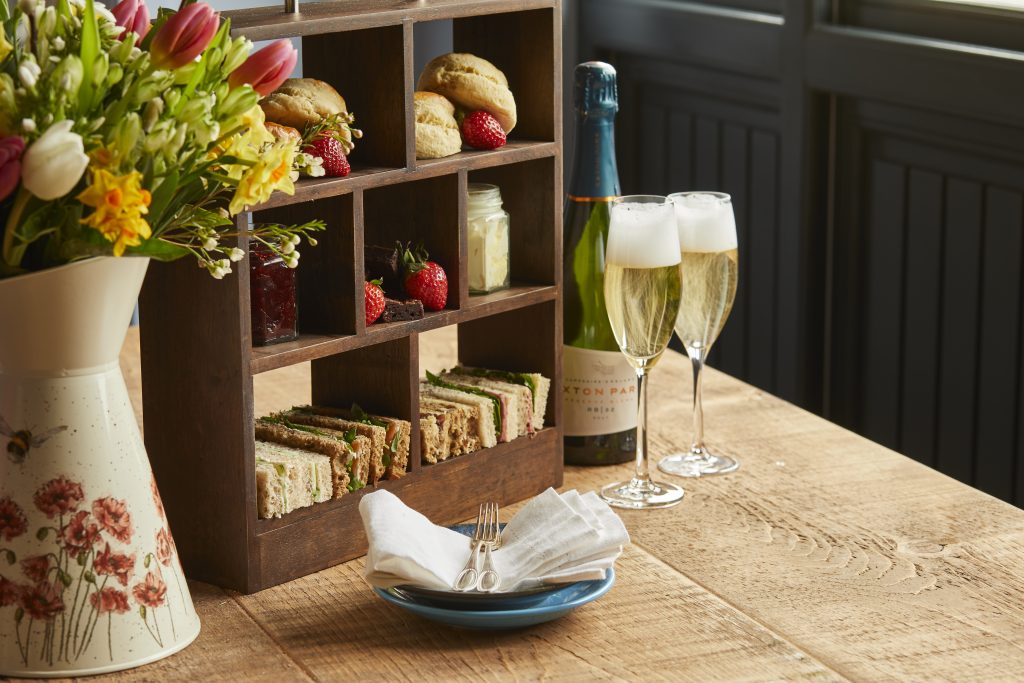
x=491 y=540
x=468 y=577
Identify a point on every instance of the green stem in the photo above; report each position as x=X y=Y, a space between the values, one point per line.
x=20 y=202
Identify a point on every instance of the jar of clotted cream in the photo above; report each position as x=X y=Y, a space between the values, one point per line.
x=488 y=239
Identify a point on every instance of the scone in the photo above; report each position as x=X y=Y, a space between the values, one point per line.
x=471 y=83
x=437 y=132
x=302 y=102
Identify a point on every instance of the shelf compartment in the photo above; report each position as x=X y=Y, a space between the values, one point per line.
x=424 y=211
x=534 y=256
x=312 y=346
x=326 y=534
x=376 y=96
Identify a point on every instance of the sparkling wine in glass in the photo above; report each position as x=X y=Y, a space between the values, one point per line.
x=642 y=286
x=710 y=260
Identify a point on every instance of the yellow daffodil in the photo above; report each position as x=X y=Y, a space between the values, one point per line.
x=125 y=231
x=271 y=172
x=118 y=203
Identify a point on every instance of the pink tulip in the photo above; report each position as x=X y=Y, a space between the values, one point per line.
x=266 y=69
x=184 y=36
x=133 y=16
x=10 y=164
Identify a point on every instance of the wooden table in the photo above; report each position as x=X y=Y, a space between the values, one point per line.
x=826 y=557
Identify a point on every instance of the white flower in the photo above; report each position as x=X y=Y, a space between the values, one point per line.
x=296 y=240
x=53 y=164
x=287 y=247
x=312 y=241
x=57 y=43
x=210 y=244
x=28 y=125
x=28 y=72
x=236 y=254
x=103 y=13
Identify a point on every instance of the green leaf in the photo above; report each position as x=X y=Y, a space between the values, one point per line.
x=41 y=534
x=90 y=50
x=158 y=249
x=350 y=435
x=162 y=195
x=202 y=218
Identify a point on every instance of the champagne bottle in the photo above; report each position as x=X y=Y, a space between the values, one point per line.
x=599 y=393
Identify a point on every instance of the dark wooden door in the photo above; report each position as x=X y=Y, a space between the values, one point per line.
x=875 y=153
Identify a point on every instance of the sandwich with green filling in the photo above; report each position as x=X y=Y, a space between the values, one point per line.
x=393 y=442
x=538 y=384
x=349 y=453
x=288 y=479
x=489 y=409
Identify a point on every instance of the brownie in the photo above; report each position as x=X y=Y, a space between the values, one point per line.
x=382 y=263
x=395 y=310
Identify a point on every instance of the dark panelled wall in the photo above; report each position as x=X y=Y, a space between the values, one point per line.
x=875 y=154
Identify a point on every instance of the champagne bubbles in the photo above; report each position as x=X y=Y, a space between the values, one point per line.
x=705 y=220
x=637 y=238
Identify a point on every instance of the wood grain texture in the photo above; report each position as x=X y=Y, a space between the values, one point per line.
x=826 y=557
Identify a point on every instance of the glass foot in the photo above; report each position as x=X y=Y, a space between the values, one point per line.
x=697 y=463
x=641 y=495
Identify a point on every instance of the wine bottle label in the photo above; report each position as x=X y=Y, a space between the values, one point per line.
x=598 y=392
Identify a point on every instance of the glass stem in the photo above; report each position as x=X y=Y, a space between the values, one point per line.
x=642 y=468
x=697 y=359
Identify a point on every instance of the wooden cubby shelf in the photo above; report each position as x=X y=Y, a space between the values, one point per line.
x=197 y=357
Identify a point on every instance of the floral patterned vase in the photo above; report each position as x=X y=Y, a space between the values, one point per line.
x=90 y=581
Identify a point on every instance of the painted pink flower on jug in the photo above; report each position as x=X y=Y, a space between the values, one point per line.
x=12 y=519
x=80 y=534
x=58 y=497
x=112 y=514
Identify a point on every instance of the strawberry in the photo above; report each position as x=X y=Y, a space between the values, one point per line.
x=424 y=280
x=374 y=296
x=481 y=130
x=330 y=149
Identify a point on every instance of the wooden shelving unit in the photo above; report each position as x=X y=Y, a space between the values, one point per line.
x=197 y=356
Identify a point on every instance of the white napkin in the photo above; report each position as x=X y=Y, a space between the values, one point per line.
x=553 y=539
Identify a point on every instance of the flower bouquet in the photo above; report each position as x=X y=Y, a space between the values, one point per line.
x=118 y=137
x=124 y=138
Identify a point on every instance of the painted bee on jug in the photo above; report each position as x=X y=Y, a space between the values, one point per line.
x=23 y=440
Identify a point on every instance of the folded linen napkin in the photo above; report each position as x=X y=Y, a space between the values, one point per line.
x=555 y=538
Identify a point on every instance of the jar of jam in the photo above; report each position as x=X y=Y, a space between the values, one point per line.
x=488 y=239
x=272 y=296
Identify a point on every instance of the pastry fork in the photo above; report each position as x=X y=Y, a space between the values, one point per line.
x=468 y=577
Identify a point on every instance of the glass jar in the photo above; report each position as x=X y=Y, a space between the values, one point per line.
x=488 y=239
x=272 y=297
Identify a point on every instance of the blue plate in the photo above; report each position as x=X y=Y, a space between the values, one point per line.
x=551 y=606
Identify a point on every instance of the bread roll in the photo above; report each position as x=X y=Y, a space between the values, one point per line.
x=471 y=83
x=302 y=102
x=437 y=133
x=283 y=132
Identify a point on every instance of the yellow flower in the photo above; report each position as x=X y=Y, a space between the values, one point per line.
x=125 y=231
x=118 y=203
x=271 y=172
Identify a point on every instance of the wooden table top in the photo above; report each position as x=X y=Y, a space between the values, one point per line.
x=826 y=557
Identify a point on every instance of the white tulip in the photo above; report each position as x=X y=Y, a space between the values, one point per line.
x=236 y=254
x=54 y=163
x=210 y=244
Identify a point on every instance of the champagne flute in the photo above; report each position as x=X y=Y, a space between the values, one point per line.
x=710 y=258
x=641 y=290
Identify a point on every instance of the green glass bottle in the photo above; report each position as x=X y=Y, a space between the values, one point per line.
x=599 y=393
